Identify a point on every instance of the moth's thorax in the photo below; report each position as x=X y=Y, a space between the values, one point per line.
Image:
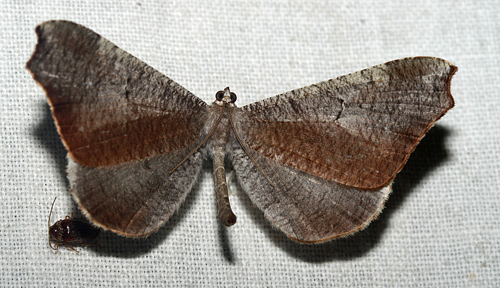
x=221 y=133
x=221 y=103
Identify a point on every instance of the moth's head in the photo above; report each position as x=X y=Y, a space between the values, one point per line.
x=225 y=97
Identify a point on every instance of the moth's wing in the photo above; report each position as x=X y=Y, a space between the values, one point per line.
x=110 y=107
x=358 y=129
x=124 y=124
x=134 y=199
x=306 y=208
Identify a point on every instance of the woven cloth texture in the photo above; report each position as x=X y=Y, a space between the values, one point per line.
x=440 y=227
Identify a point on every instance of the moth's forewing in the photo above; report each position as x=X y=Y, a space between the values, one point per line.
x=358 y=129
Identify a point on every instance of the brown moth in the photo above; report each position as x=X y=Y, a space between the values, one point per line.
x=318 y=161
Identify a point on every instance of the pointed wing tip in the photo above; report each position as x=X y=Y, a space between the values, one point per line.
x=452 y=72
x=40 y=30
x=52 y=23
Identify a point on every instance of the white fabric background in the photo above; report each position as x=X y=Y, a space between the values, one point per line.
x=440 y=227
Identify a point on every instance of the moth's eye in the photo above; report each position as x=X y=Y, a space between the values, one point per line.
x=219 y=95
x=233 y=97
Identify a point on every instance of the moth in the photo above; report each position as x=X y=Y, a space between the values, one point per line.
x=70 y=231
x=317 y=161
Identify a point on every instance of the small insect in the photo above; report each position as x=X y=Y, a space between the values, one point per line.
x=70 y=230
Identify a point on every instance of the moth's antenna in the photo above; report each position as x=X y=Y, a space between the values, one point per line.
x=48 y=224
x=245 y=149
x=202 y=142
